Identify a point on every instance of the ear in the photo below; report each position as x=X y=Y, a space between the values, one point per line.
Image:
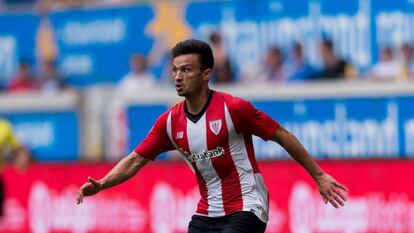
x=206 y=74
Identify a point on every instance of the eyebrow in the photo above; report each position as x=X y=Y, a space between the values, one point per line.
x=180 y=66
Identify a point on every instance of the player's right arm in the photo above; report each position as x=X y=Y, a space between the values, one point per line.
x=124 y=170
x=156 y=142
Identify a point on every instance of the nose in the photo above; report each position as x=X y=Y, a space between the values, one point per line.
x=177 y=76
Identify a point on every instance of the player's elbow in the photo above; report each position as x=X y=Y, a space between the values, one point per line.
x=137 y=161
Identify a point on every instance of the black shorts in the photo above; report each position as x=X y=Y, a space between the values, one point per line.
x=239 y=222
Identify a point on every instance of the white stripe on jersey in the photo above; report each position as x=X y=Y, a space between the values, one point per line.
x=169 y=133
x=198 y=144
x=249 y=186
x=263 y=198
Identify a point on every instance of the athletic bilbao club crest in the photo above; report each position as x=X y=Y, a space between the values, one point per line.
x=215 y=126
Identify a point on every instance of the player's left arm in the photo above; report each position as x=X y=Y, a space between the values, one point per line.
x=249 y=120
x=329 y=188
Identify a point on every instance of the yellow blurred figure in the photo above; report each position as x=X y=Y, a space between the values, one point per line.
x=8 y=141
x=10 y=146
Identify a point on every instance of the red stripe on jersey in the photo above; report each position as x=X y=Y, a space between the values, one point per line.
x=217 y=133
x=250 y=152
x=179 y=127
x=203 y=203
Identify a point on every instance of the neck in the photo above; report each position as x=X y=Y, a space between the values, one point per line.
x=195 y=103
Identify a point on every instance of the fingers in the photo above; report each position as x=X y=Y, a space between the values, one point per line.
x=338 y=200
x=79 y=197
x=341 y=195
x=335 y=197
x=325 y=200
x=89 y=188
x=341 y=186
x=332 y=201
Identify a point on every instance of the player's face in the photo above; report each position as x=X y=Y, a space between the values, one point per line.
x=188 y=75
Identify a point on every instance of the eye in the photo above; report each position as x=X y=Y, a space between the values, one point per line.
x=186 y=70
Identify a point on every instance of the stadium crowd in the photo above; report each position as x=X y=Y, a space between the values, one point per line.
x=278 y=65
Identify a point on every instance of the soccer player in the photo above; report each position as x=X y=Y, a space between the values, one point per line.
x=10 y=145
x=213 y=131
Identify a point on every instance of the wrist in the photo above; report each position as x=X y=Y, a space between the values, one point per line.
x=318 y=174
x=101 y=184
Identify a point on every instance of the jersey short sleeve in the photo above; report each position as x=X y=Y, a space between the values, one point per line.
x=157 y=140
x=249 y=120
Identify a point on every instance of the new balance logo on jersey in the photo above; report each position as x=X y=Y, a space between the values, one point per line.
x=205 y=155
x=179 y=135
x=215 y=126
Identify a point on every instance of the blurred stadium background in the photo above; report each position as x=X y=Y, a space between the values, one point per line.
x=82 y=82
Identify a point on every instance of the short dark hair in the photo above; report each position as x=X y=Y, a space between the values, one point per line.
x=201 y=48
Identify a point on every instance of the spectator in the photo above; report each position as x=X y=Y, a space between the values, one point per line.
x=270 y=69
x=406 y=61
x=273 y=70
x=297 y=69
x=138 y=78
x=386 y=68
x=334 y=67
x=23 y=81
x=222 y=72
x=51 y=81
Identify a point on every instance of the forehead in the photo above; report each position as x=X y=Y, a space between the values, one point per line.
x=186 y=59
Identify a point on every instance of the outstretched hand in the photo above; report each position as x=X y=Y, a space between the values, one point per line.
x=331 y=190
x=88 y=189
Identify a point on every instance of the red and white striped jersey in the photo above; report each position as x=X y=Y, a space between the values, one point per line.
x=219 y=147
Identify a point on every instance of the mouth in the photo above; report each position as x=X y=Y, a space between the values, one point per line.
x=179 y=87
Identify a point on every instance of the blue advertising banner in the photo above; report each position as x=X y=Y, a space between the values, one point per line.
x=17 y=41
x=51 y=136
x=95 y=45
x=250 y=28
x=394 y=22
x=342 y=128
